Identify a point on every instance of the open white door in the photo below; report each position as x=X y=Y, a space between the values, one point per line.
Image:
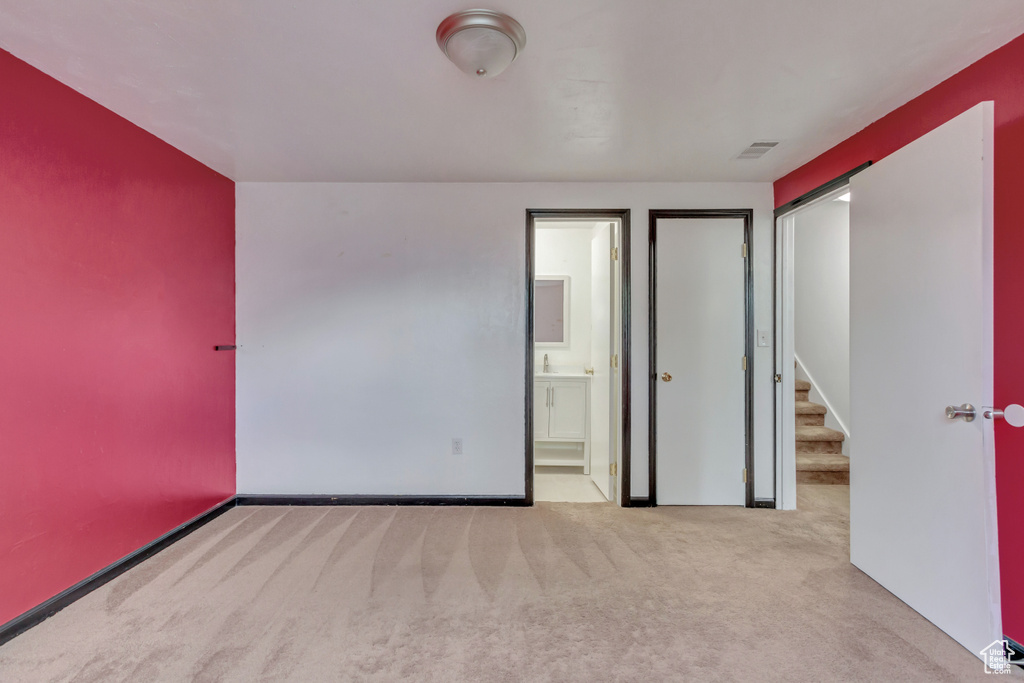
x=602 y=325
x=616 y=376
x=922 y=487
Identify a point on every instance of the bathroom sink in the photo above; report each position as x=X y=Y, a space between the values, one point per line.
x=564 y=374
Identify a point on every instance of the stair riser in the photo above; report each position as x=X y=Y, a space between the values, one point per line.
x=810 y=420
x=818 y=477
x=819 y=446
x=802 y=396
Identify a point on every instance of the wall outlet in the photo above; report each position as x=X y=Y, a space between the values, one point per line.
x=457 y=446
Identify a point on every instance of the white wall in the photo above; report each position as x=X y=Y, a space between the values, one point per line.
x=378 y=321
x=566 y=251
x=822 y=304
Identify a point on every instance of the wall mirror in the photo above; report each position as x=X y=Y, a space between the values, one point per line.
x=551 y=310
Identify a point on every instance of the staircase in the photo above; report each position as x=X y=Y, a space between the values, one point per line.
x=819 y=450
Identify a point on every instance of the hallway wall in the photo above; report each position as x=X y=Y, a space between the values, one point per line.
x=822 y=303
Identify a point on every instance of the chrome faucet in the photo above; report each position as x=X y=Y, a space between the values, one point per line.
x=546 y=368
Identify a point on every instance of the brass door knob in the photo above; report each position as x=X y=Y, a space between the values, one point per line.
x=665 y=377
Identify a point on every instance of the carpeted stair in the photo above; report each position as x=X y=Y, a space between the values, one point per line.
x=819 y=450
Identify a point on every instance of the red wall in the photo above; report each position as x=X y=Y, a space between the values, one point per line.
x=116 y=281
x=998 y=77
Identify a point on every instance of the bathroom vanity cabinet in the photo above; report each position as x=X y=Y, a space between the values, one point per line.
x=561 y=420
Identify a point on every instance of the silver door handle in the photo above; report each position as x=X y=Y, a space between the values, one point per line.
x=966 y=411
x=1013 y=414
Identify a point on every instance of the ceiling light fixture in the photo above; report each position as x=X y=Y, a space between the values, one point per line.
x=481 y=42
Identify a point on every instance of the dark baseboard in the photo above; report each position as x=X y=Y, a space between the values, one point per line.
x=646 y=503
x=1018 y=651
x=24 y=622
x=283 y=499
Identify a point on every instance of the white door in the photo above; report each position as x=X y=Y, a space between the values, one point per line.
x=567 y=418
x=922 y=487
x=701 y=330
x=602 y=331
x=616 y=378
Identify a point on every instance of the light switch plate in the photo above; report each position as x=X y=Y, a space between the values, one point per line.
x=763 y=338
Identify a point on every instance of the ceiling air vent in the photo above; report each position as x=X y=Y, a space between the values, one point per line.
x=757 y=150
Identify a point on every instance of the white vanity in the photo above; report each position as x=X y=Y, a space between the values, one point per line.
x=561 y=419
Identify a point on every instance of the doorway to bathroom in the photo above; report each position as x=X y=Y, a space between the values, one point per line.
x=577 y=350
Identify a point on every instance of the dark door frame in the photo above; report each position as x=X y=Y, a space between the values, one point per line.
x=748 y=295
x=624 y=343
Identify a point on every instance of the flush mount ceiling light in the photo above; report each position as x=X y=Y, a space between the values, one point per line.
x=481 y=42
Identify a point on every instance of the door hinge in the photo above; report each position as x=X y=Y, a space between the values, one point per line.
x=744 y=475
x=778 y=379
x=615 y=361
x=615 y=253
x=744 y=250
x=613 y=469
x=744 y=363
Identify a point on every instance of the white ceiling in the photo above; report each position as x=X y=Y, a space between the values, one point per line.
x=619 y=90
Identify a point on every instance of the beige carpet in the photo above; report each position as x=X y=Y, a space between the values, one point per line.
x=559 y=592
